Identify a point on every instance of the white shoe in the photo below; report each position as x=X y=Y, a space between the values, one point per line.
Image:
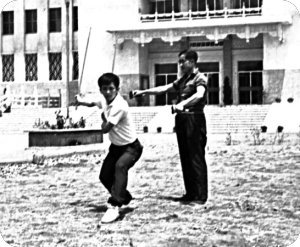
x=110 y=215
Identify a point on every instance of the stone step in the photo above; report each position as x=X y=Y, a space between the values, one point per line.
x=219 y=119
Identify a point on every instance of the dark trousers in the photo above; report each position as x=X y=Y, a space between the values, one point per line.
x=114 y=171
x=191 y=137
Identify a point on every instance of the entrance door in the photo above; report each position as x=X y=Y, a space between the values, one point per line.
x=165 y=74
x=211 y=70
x=250 y=82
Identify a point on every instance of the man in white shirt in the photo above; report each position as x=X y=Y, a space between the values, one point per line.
x=125 y=148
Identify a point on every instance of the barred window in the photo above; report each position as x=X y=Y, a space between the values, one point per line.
x=75 y=18
x=75 y=66
x=55 y=20
x=55 y=67
x=31 y=68
x=31 y=21
x=8 y=68
x=7 y=22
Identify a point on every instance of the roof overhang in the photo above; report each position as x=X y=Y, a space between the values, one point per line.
x=213 y=29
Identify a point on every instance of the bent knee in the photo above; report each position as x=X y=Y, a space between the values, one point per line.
x=120 y=166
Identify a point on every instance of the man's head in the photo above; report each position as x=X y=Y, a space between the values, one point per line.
x=109 y=86
x=187 y=60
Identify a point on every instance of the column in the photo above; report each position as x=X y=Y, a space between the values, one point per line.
x=66 y=37
x=227 y=76
x=19 y=41
x=43 y=44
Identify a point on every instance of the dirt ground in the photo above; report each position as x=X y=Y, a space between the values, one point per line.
x=254 y=199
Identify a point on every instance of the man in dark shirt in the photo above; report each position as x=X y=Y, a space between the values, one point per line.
x=190 y=124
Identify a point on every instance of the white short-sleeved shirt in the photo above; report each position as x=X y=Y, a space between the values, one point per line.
x=117 y=113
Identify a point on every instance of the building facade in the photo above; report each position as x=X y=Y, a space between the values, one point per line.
x=35 y=53
x=248 y=48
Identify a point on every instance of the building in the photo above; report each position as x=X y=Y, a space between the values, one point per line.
x=34 y=51
x=248 y=48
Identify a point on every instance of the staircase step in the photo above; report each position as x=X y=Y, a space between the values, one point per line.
x=237 y=119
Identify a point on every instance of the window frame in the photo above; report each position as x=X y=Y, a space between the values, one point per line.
x=75 y=67
x=55 y=20
x=254 y=92
x=7 y=22
x=8 y=71
x=167 y=72
x=212 y=71
x=75 y=19
x=30 y=21
x=34 y=59
x=55 y=70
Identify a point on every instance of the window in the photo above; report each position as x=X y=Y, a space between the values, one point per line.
x=8 y=68
x=75 y=19
x=211 y=70
x=31 y=21
x=250 y=82
x=164 y=6
x=31 y=69
x=55 y=67
x=200 y=5
x=165 y=74
x=238 y=4
x=55 y=20
x=75 y=66
x=7 y=22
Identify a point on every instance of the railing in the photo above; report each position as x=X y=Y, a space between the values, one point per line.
x=44 y=101
x=206 y=14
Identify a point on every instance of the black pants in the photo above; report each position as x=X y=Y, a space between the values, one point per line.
x=191 y=137
x=114 y=171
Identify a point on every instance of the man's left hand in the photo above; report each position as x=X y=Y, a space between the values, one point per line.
x=177 y=108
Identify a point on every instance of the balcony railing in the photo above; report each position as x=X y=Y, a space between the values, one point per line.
x=207 y=14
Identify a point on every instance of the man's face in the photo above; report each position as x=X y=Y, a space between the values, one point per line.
x=109 y=92
x=186 y=66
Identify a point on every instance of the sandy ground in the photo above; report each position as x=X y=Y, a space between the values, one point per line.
x=253 y=199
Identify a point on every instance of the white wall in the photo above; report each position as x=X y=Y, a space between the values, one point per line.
x=283 y=55
x=101 y=15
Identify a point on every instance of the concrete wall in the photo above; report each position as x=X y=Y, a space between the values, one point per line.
x=273 y=81
x=283 y=56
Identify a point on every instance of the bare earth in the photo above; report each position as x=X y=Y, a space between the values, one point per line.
x=254 y=199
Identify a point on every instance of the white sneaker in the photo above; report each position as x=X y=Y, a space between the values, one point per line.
x=110 y=215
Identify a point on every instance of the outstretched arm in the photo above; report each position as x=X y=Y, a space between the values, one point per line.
x=80 y=102
x=154 y=91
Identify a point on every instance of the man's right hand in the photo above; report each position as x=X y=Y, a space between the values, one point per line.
x=76 y=102
x=135 y=93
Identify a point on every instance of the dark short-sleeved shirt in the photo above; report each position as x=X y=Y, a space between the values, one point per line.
x=187 y=85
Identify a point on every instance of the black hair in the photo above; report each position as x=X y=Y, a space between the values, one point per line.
x=189 y=55
x=108 y=78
